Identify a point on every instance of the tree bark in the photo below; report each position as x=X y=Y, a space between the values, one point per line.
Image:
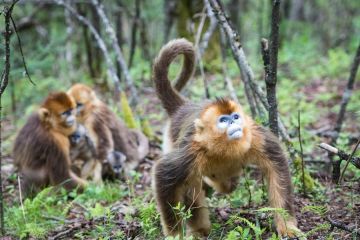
x=271 y=76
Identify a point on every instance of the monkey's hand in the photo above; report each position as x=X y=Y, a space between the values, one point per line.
x=223 y=187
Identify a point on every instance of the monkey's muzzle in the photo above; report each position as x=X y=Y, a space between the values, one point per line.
x=235 y=132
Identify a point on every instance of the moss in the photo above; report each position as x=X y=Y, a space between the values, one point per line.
x=127 y=112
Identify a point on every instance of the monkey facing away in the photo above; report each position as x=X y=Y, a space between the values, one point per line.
x=212 y=142
x=106 y=131
x=41 y=148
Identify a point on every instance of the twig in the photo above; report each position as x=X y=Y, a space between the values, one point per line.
x=119 y=56
x=99 y=40
x=341 y=154
x=348 y=161
x=301 y=155
x=343 y=227
x=21 y=51
x=21 y=199
x=271 y=78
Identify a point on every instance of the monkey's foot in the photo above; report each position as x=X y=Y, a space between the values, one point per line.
x=289 y=229
x=199 y=232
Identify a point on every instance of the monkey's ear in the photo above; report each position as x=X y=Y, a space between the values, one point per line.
x=44 y=114
x=199 y=125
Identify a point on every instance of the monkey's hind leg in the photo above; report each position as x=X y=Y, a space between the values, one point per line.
x=199 y=221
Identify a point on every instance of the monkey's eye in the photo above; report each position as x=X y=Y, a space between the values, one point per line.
x=236 y=116
x=223 y=119
x=66 y=113
x=79 y=105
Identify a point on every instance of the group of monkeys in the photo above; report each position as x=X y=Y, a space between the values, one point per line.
x=205 y=145
x=74 y=137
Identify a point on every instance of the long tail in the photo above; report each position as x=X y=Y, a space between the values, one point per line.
x=169 y=96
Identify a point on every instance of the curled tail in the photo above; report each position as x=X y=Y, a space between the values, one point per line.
x=169 y=96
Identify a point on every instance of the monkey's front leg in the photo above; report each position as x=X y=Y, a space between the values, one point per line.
x=199 y=221
x=281 y=196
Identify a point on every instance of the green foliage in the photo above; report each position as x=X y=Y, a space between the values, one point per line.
x=150 y=220
x=30 y=220
x=127 y=112
x=310 y=183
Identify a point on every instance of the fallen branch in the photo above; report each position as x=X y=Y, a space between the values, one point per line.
x=348 y=161
x=341 y=154
x=342 y=226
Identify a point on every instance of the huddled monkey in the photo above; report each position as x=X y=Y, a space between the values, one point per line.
x=41 y=148
x=108 y=132
x=83 y=155
x=211 y=142
x=84 y=162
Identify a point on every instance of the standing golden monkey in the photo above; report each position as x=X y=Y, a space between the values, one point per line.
x=212 y=142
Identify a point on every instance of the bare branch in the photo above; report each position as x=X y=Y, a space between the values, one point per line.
x=238 y=52
x=198 y=55
x=211 y=29
x=119 y=56
x=99 y=40
x=347 y=94
x=247 y=74
x=341 y=154
x=348 y=161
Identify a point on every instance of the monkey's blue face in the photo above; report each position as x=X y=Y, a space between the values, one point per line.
x=231 y=124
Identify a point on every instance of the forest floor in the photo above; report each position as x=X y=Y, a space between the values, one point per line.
x=130 y=211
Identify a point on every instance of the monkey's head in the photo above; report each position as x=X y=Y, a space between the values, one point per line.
x=116 y=160
x=223 y=124
x=58 y=113
x=79 y=135
x=84 y=97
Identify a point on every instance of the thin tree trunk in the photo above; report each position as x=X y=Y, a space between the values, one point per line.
x=87 y=42
x=170 y=13
x=271 y=78
x=134 y=30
